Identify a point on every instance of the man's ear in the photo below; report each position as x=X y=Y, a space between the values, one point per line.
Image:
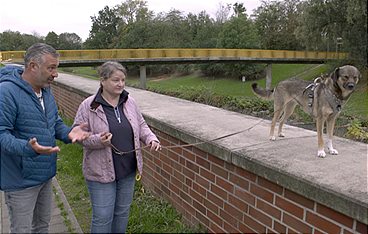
x=32 y=65
x=335 y=74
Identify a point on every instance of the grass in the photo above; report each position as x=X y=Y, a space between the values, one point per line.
x=148 y=214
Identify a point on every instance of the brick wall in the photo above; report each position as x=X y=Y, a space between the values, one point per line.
x=220 y=196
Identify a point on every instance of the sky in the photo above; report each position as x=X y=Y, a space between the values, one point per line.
x=74 y=16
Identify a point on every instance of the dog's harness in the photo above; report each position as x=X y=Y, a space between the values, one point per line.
x=310 y=90
x=332 y=99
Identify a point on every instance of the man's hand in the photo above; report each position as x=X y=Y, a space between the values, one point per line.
x=40 y=149
x=79 y=133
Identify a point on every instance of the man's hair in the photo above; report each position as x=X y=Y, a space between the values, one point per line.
x=36 y=51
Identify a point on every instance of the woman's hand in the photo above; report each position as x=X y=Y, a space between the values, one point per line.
x=155 y=145
x=106 y=138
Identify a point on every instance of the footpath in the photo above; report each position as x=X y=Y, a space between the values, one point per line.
x=62 y=219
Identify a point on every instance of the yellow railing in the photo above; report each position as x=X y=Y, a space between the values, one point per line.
x=106 y=54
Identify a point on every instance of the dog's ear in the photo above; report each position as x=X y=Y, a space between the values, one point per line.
x=335 y=74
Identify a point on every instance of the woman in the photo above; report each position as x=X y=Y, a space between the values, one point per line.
x=110 y=161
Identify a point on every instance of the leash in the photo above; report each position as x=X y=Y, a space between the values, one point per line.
x=122 y=153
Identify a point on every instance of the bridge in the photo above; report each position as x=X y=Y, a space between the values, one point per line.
x=142 y=57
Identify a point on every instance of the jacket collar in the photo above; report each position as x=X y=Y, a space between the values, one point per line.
x=98 y=100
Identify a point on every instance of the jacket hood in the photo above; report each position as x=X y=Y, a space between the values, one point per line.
x=12 y=73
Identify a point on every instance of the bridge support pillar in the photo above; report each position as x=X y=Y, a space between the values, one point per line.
x=268 y=76
x=142 y=77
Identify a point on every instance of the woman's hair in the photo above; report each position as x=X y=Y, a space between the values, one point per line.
x=36 y=51
x=105 y=70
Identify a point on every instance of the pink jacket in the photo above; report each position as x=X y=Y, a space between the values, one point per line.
x=97 y=158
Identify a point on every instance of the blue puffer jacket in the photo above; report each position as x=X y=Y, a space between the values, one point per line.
x=21 y=118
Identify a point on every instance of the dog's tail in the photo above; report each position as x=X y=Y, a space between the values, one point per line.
x=262 y=93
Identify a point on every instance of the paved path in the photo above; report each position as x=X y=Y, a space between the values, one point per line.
x=57 y=225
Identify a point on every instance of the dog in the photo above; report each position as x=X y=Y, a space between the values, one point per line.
x=322 y=98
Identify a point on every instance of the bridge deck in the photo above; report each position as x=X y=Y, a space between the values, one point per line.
x=152 y=56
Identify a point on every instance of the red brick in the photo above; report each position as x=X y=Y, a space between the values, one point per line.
x=215 y=199
x=245 y=196
x=245 y=229
x=253 y=224
x=296 y=224
x=207 y=174
x=202 y=218
x=242 y=206
x=239 y=181
x=347 y=232
x=214 y=228
x=305 y=202
x=202 y=181
x=260 y=217
x=188 y=173
x=225 y=184
x=334 y=215
x=214 y=217
x=231 y=228
x=199 y=189
x=188 y=155
x=280 y=228
x=219 y=192
x=203 y=162
x=200 y=152
x=219 y=171
x=322 y=223
x=228 y=218
x=262 y=193
x=199 y=207
x=270 y=185
x=361 y=227
x=269 y=209
x=186 y=197
x=216 y=160
x=175 y=182
x=211 y=206
x=289 y=207
x=193 y=167
x=233 y=211
x=246 y=174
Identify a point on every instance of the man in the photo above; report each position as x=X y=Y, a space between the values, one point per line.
x=29 y=125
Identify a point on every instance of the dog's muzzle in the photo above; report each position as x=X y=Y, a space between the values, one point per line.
x=349 y=85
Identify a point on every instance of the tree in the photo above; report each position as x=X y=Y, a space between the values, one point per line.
x=52 y=39
x=69 y=41
x=322 y=22
x=239 y=9
x=222 y=13
x=104 y=30
x=276 y=22
x=11 y=41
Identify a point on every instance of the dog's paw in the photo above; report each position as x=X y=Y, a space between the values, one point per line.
x=333 y=151
x=281 y=134
x=321 y=153
x=272 y=138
